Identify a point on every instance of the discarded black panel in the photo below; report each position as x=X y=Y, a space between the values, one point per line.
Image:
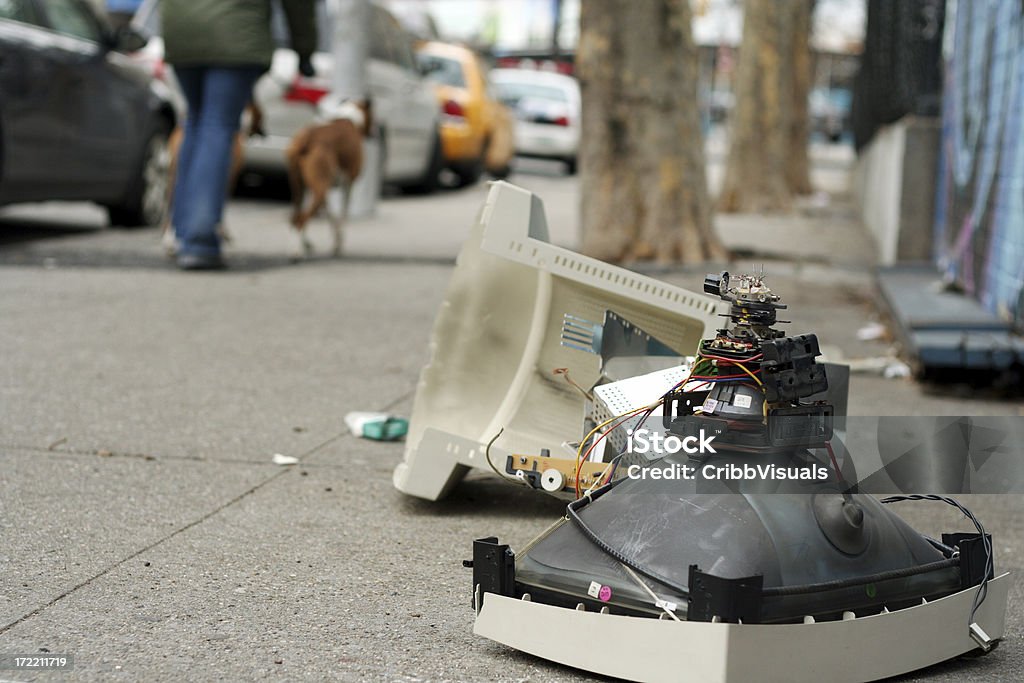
x=730 y=600
x=789 y=371
x=494 y=568
x=800 y=426
x=974 y=561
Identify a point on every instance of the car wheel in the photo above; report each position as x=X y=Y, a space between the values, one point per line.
x=432 y=175
x=382 y=163
x=2 y=159
x=501 y=173
x=146 y=201
x=469 y=173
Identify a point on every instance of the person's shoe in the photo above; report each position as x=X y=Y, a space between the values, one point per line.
x=200 y=262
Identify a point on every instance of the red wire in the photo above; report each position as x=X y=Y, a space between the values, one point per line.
x=686 y=380
x=733 y=360
x=721 y=376
x=832 y=456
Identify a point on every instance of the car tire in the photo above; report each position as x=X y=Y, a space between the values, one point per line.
x=145 y=203
x=1 y=156
x=386 y=187
x=431 y=178
x=468 y=174
x=501 y=173
x=382 y=163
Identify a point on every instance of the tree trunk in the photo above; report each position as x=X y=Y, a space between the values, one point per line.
x=798 y=167
x=760 y=135
x=644 y=191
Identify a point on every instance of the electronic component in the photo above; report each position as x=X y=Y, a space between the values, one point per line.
x=754 y=376
x=554 y=474
x=619 y=398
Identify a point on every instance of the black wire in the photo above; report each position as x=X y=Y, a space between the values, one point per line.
x=487 y=453
x=777 y=591
x=986 y=543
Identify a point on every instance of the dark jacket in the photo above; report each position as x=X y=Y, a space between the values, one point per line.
x=232 y=32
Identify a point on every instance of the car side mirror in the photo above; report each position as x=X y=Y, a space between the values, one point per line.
x=127 y=39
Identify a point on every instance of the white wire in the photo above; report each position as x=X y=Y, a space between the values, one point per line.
x=657 y=601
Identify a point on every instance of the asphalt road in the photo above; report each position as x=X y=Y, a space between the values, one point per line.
x=145 y=530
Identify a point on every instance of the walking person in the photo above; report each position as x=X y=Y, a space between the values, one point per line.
x=218 y=49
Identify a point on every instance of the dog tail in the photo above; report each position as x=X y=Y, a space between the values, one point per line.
x=296 y=149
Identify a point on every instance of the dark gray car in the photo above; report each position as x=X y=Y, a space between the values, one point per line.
x=79 y=120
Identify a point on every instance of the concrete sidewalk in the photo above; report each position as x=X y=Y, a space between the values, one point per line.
x=146 y=531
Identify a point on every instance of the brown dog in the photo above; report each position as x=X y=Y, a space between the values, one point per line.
x=255 y=128
x=322 y=156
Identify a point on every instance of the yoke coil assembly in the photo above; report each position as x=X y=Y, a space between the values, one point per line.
x=758 y=389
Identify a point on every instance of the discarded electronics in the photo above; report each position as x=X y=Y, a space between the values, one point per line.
x=497 y=342
x=743 y=553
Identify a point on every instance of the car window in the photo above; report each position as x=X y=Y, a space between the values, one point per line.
x=380 y=47
x=442 y=70
x=389 y=42
x=324 y=27
x=511 y=93
x=71 y=18
x=401 y=44
x=18 y=10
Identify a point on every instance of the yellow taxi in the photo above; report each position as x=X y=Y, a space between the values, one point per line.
x=476 y=129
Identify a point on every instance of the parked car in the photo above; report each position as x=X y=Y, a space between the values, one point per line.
x=404 y=104
x=720 y=105
x=476 y=129
x=830 y=112
x=79 y=120
x=547 y=110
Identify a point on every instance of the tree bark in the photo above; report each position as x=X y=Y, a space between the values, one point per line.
x=798 y=167
x=756 y=175
x=644 y=190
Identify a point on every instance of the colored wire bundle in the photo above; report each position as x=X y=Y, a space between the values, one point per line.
x=581 y=456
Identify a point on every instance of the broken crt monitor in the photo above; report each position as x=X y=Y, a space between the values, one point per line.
x=746 y=556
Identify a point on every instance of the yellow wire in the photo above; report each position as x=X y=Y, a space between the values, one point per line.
x=583 y=443
x=764 y=404
x=752 y=376
x=579 y=451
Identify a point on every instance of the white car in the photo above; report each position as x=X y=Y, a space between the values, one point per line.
x=405 y=106
x=547 y=109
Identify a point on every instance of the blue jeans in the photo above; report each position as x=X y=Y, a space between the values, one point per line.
x=216 y=97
